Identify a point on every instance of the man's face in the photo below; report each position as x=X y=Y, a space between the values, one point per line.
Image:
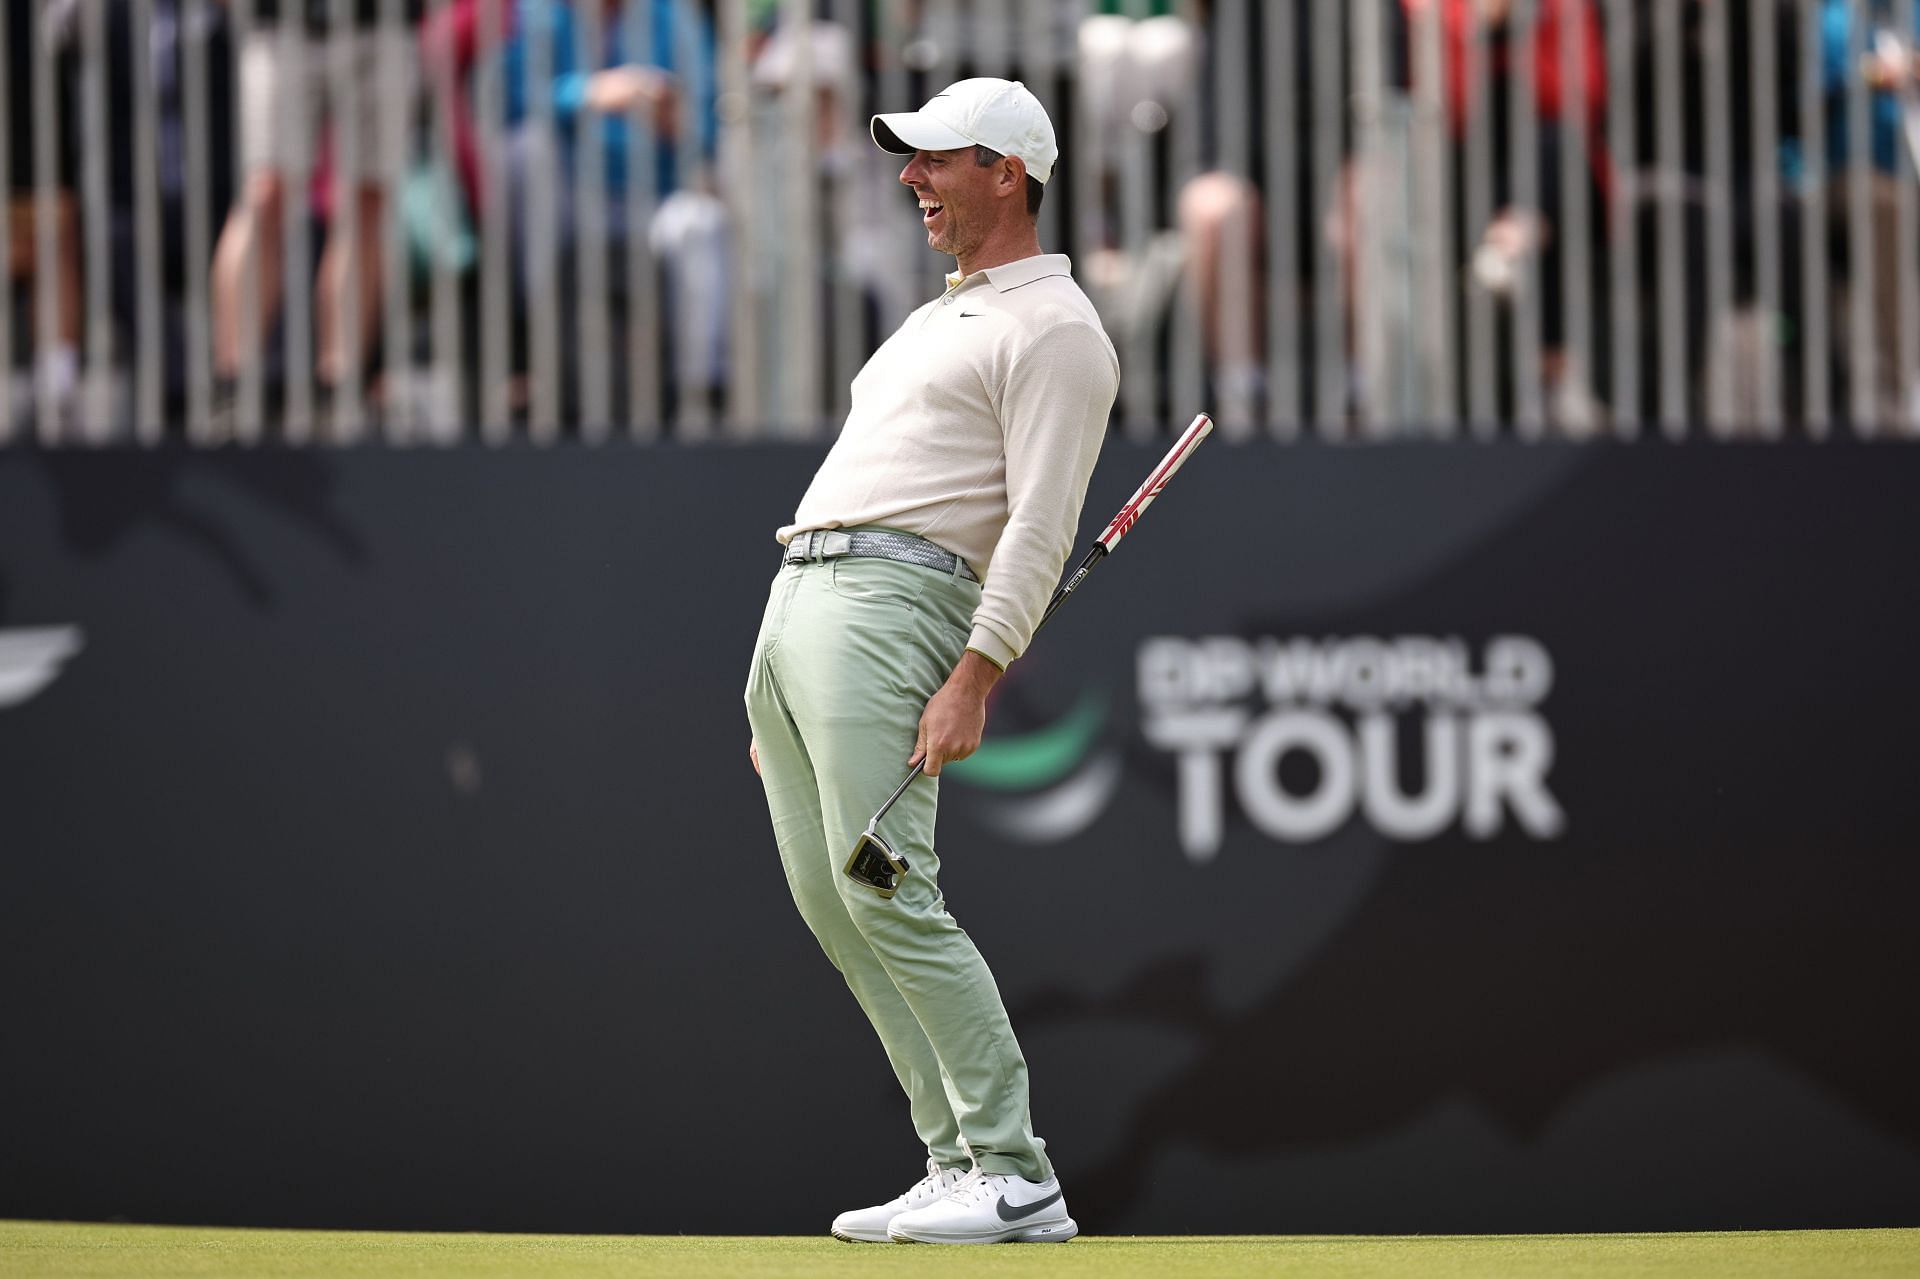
x=955 y=198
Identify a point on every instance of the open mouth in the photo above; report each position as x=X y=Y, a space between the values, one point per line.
x=929 y=210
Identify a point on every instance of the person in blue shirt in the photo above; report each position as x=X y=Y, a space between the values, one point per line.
x=608 y=91
x=604 y=90
x=1888 y=65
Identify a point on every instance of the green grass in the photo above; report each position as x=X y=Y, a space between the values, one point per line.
x=58 y=1249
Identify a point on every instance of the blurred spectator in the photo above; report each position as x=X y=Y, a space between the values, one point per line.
x=1514 y=232
x=449 y=51
x=609 y=93
x=1133 y=77
x=861 y=183
x=1220 y=218
x=282 y=102
x=57 y=364
x=1890 y=69
x=163 y=52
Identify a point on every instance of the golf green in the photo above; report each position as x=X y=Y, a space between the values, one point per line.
x=58 y=1249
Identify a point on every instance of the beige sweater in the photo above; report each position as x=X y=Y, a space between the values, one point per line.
x=976 y=426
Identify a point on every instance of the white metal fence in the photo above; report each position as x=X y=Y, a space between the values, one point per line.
x=338 y=220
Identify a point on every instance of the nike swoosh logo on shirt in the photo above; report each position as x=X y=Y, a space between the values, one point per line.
x=1009 y=1212
x=971 y=315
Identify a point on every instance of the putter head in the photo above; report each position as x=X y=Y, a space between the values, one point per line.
x=875 y=864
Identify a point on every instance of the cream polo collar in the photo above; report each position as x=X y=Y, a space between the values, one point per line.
x=1011 y=275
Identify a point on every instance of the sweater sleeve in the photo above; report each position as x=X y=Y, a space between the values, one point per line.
x=1053 y=408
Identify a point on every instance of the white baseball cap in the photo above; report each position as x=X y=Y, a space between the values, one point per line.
x=1001 y=115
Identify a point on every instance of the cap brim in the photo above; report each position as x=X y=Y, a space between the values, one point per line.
x=905 y=132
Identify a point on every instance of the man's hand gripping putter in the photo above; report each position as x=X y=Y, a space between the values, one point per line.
x=874 y=862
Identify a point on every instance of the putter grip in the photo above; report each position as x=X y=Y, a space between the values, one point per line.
x=1182 y=449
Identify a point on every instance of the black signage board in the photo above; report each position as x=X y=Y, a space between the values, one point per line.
x=1407 y=839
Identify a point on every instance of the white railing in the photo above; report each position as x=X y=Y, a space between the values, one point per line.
x=1358 y=219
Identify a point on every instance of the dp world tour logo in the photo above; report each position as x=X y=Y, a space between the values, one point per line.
x=1049 y=785
x=31 y=659
x=1412 y=735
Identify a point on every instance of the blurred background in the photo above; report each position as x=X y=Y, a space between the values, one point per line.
x=432 y=221
x=1478 y=799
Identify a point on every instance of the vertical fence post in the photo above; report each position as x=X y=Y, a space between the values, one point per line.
x=149 y=340
x=1717 y=198
x=293 y=149
x=710 y=305
x=745 y=358
x=1376 y=354
x=1764 y=107
x=1235 y=323
x=1623 y=220
x=496 y=368
x=195 y=21
x=642 y=347
x=7 y=161
x=46 y=227
x=1085 y=163
x=1483 y=360
x=590 y=371
x=1140 y=358
x=1670 y=186
x=846 y=192
x=542 y=179
x=1578 y=374
x=249 y=408
x=1281 y=202
x=1437 y=295
x=1523 y=139
x=397 y=54
x=1863 y=380
x=1324 y=197
x=1816 y=291
x=796 y=362
x=97 y=414
x=1904 y=412
x=342 y=51
x=443 y=404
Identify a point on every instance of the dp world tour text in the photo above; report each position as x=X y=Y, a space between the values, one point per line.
x=1231 y=710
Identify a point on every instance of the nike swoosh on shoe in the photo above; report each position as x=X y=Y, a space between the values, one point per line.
x=1009 y=1212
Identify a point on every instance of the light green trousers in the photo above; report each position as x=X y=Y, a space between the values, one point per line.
x=849 y=652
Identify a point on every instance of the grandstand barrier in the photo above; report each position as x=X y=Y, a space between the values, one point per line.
x=1470 y=839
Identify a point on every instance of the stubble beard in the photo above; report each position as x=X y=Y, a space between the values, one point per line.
x=949 y=241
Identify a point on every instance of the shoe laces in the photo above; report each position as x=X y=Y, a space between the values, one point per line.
x=978 y=1186
x=929 y=1185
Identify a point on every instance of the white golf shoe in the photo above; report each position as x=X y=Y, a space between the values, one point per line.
x=988 y=1207
x=869 y=1225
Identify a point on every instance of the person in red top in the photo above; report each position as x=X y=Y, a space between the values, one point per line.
x=1514 y=231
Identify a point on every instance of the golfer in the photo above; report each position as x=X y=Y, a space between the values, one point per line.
x=915 y=570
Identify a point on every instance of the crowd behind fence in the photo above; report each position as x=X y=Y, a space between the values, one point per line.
x=432 y=220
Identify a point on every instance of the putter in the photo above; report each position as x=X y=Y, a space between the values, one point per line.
x=874 y=862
